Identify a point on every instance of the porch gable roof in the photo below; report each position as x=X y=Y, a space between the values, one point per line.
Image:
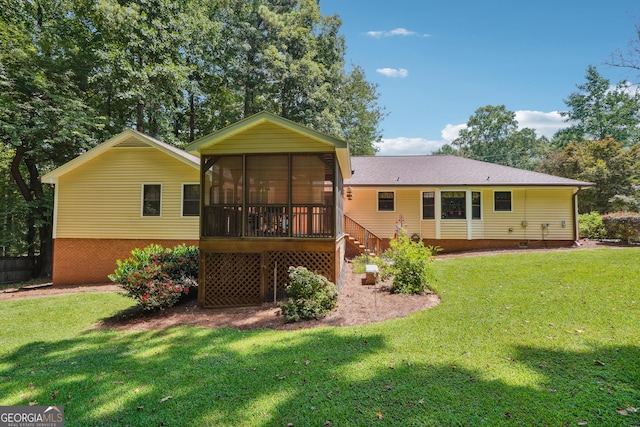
x=340 y=146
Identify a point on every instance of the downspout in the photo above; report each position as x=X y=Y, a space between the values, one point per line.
x=576 y=228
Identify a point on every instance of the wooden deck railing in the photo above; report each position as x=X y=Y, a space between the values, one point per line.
x=362 y=238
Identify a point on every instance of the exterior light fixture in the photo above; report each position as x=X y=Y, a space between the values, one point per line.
x=349 y=193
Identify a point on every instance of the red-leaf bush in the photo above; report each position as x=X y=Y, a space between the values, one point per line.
x=156 y=277
x=622 y=225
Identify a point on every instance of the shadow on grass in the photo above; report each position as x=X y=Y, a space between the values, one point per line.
x=192 y=376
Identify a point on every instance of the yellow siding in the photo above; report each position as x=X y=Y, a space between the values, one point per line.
x=536 y=207
x=268 y=138
x=553 y=206
x=102 y=198
x=408 y=204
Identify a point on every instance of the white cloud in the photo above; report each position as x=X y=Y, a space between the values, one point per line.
x=405 y=146
x=391 y=33
x=451 y=132
x=393 y=72
x=395 y=32
x=545 y=124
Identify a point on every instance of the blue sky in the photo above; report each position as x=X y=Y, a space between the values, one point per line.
x=436 y=62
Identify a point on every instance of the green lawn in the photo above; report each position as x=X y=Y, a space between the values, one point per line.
x=528 y=339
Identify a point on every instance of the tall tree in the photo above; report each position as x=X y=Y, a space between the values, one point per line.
x=44 y=119
x=598 y=110
x=614 y=168
x=492 y=135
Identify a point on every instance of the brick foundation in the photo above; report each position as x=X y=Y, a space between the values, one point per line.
x=453 y=245
x=89 y=261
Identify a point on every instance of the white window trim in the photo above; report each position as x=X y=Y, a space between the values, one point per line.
x=142 y=200
x=481 y=205
x=182 y=215
x=435 y=204
x=395 y=202
x=494 y=201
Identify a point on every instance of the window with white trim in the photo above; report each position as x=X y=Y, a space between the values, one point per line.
x=151 y=199
x=476 y=207
x=386 y=201
x=190 y=199
x=428 y=205
x=502 y=201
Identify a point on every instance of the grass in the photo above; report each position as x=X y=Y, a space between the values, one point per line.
x=529 y=339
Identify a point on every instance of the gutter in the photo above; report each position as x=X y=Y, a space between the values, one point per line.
x=576 y=229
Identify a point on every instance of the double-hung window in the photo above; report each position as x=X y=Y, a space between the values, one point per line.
x=190 y=199
x=386 y=201
x=428 y=205
x=502 y=201
x=151 y=199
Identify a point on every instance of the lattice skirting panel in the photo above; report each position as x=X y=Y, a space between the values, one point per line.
x=318 y=262
x=232 y=280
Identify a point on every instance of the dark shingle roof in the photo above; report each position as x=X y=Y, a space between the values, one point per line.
x=445 y=170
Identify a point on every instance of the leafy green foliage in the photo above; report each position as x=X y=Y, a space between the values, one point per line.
x=622 y=225
x=601 y=111
x=155 y=277
x=609 y=165
x=492 y=135
x=310 y=295
x=590 y=225
x=410 y=266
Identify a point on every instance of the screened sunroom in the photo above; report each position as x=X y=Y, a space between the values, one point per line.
x=271 y=198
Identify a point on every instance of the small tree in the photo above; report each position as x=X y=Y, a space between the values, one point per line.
x=410 y=267
x=311 y=295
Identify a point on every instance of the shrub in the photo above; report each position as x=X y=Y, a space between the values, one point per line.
x=410 y=267
x=622 y=225
x=590 y=226
x=155 y=277
x=310 y=295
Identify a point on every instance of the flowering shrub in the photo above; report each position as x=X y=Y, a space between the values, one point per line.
x=622 y=225
x=311 y=295
x=155 y=277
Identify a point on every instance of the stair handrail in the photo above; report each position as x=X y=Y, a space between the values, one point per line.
x=362 y=235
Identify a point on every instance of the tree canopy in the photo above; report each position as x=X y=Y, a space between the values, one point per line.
x=492 y=135
x=74 y=73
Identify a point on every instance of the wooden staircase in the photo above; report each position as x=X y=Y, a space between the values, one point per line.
x=361 y=238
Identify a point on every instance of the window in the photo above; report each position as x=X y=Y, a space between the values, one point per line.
x=502 y=201
x=428 y=205
x=453 y=204
x=190 y=200
x=386 y=201
x=151 y=194
x=475 y=205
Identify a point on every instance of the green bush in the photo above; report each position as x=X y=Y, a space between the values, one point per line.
x=156 y=277
x=310 y=295
x=410 y=267
x=622 y=225
x=590 y=226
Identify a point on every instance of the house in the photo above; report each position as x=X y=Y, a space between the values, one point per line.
x=272 y=197
x=266 y=193
x=128 y=192
x=460 y=204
